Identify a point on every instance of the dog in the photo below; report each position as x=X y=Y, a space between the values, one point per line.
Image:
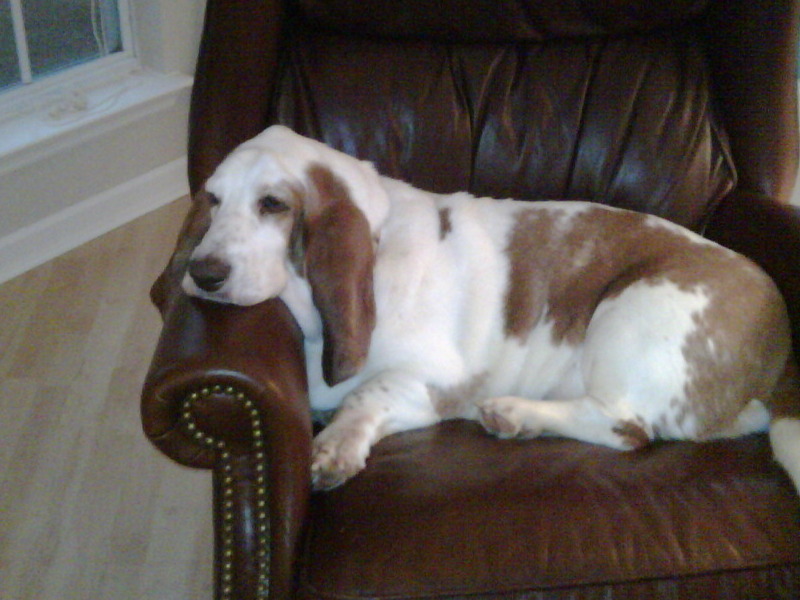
x=562 y=318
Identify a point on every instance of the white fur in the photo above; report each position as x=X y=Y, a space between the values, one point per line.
x=784 y=434
x=441 y=324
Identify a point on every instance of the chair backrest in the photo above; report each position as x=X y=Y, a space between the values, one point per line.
x=624 y=102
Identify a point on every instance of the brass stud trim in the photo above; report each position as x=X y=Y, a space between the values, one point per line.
x=261 y=516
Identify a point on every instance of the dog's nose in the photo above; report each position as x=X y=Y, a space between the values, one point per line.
x=209 y=273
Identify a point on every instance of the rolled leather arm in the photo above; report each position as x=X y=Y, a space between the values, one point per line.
x=227 y=390
x=256 y=351
x=768 y=232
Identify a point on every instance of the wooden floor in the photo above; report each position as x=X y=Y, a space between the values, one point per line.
x=89 y=510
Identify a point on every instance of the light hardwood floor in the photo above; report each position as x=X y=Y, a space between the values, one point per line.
x=89 y=510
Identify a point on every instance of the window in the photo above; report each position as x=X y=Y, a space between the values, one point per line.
x=42 y=37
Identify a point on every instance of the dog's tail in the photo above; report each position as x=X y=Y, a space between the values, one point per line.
x=784 y=429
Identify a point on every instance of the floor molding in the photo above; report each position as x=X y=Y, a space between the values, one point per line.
x=44 y=240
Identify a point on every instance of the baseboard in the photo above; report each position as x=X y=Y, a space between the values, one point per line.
x=44 y=240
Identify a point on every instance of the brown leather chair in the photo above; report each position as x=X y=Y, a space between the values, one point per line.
x=681 y=108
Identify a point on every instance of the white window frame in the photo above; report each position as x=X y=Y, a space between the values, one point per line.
x=50 y=113
x=21 y=41
x=53 y=90
x=23 y=54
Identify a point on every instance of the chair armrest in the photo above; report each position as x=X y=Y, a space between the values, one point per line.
x=227 y=390
x=256 y=351
x=767 y=232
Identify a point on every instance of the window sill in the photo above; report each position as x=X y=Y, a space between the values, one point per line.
x=74 y=117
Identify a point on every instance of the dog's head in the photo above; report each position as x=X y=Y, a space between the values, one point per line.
x=285 y=206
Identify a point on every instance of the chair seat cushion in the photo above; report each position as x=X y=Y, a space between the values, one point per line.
x=449 y=511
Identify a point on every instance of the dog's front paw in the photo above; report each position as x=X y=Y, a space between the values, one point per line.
x=506 y=418
x=337 y=456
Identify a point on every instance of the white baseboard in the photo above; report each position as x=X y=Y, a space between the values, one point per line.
x=44 y=240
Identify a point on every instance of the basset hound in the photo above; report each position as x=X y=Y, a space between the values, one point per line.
x=554 y=317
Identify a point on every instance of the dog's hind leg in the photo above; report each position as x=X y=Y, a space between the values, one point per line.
x=582 y=419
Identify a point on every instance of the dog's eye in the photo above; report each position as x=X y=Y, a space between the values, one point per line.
x=270 y=205
x=213 y=200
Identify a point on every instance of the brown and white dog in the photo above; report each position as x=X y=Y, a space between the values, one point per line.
x=564 y=318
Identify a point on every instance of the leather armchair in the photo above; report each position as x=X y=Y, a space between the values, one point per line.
x=682 y=108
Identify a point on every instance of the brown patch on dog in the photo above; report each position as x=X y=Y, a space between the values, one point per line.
x=445 y=224
x=339 y=261
x=530 y=263
x=741 y=341
x=298 y=232
x=457 y=401
x=632 y=433
x=195 y=225
x=738 y=349
x=609 y=251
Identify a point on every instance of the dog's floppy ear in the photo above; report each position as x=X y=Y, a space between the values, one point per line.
x=339 y=263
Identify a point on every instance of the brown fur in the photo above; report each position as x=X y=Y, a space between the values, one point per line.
x=445 y=224
x=748 y=325
x=746 y=319
x=339 y=262
x=457 y=401
x=632 y=433
x=192 y=231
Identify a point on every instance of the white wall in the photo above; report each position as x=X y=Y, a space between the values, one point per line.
x=103 y=166
x=169 y=32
